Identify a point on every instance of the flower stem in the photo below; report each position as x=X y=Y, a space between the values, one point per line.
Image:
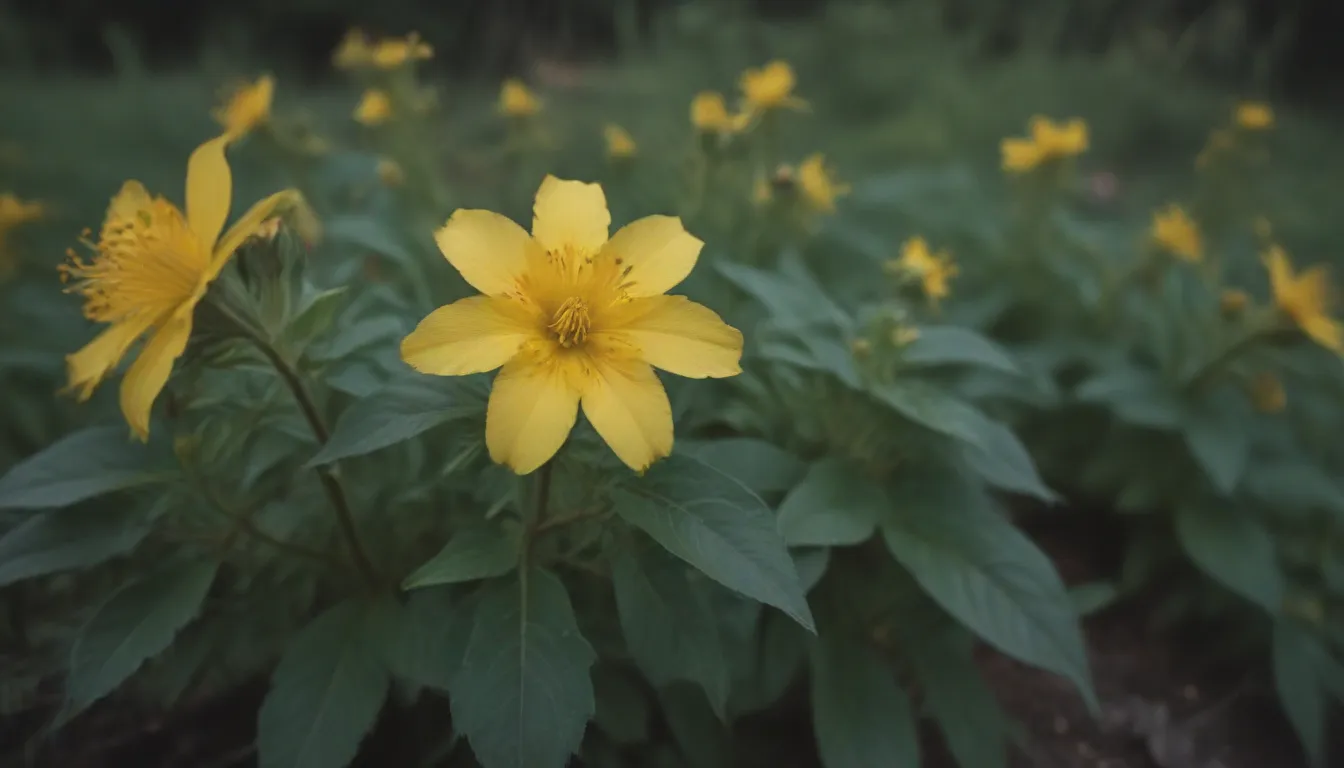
x=541 y=499
x=1225 y=356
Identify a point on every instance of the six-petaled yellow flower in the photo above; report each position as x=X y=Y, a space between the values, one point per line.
x=1177 y=233
x=620 y=144
x=1046 y=141
x=770 y=87
x=934 y=270
x=1254 y=116
x=374 y=107
x=248 y=106
x=150 y=267
x=820 y=189
x=517 y=100
x=575 y=318
x=1305 y=298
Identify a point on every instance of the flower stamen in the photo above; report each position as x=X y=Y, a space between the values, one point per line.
x=571 y=322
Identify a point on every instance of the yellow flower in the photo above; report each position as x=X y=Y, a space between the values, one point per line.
x=1254 y=115
x=1233 y=302
x=574 y=317
x=516 y=100
x=709 y=114
x=392 y=52
x=1305 y=298
x=1019 y=155
x=247 y=107
x=770 y=87
x=818 y=186
x=14 y=213
x=150 y=267
x=1267 y=393
x=390 y=173
x=354 y=51
x=1176 y=232
x=933 y=269
x=1047 y=140
x=861 y=347
x=903 y=335
x=374 y=107
x=620 y=144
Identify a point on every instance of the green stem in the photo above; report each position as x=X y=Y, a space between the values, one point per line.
x=1224 y=357
x=541 y=499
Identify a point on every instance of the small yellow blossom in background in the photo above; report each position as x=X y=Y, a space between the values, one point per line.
x=247 y=107
x=934 y=270
x=1177 y=233
x=374 y=107
x=575 y=318
x=1267 y=393
x=392 y=52
x=14 y=213
x=517 y=100
x=819 y=187
x=354 y=51
x=760 y=191
x=150 y=267
x=903 y=335
x=861 y=347
x=1046 y=141
x=1254 y=116
x=1305 y=298
x=770 y=88
x=620 y=144
x=1233 y=302
x=709 y=114
x=390 y=173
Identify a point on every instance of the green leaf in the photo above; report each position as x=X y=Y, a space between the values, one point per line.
x=703 y=739
x=430 y=638
x=136 y=623
x=62 y=539
x=861 y=717
x=835 y=505
x=367 y=232
x=759 y=465
x=316 y=316
x=1093 y=596
x=479 y=552
x=326 y=692
x=1220 y=444
x=622 y=708
x=718 y=526
x=1136 y=396
x=974 y=727
x=952 y=345
x=1235 y=550
x=524 y=695
x=1295 y=484
x=82 y=465
x=399 y=412
x=1003 y=461
x=1300 y=665
x=995 y=581
x=669 y=625
x=932 y=407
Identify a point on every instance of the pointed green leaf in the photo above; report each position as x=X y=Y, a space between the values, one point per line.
x=326 y=692
x=481 y=552
x=718 y=526
x=136 y=623
x=82 y=465
x=669 y=626
x=1300 y=665
x=835 y=505
x=861 y=717
x=622 y=708
x=62 y=539
x=974 y=727
x=759 y=465
x=952 y=345
x=399 y=412
x=932 y=407
x=1221 y=446
x=1235 y=549
x=523 y=696
x=1003 y=461
x=430 y=638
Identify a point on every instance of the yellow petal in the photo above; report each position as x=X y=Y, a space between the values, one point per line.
x=658 y=251
x=627 y=405
x=570 y=213
x=531 y=411
x=679 y=336
x=87 y=367
x=472 y=335
x=1326 y=332
x=147 y=375
x=209 y=189
x=248 y=225
x=489 y=250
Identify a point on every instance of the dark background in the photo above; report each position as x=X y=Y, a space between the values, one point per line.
x=490 y=36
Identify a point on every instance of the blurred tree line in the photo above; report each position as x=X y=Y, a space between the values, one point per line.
x=1284 y=43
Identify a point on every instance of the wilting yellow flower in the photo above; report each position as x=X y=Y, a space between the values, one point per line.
x=818 y=186
x=770 y=87
x=247 y=106
x=1254 y=115
x=390 y=173
x=1305 y=298
x=14 y=213
x=1267 y=393
x=150 y=267
x=574 y=317
x=1047 y=140
x=392 y=52
x=1176 y=232
x=374 y=107
x=1233 y=302
x=709 y=114
x=516 y=99
x=620 y=144
x=934 y=270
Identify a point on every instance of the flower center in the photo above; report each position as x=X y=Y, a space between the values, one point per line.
x=571 y=322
